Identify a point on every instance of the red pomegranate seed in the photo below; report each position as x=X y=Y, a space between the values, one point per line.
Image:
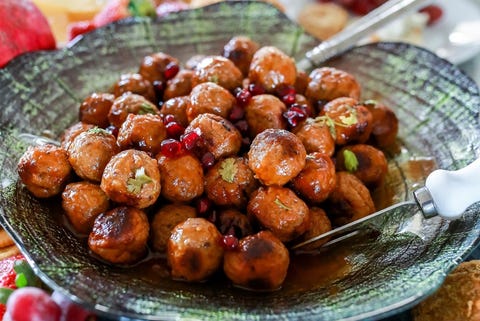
x=208 y=160
x=243 y=97
x=229 y=242
x=171 y=70
x=285 y=90
x=289 y=99
x=168 y=118
x=236 y=113
x=294 y=115
x=112 y=130
x=159 y=88
x=174 y=129
x=171 y=147
x=242 y=126
x=255 y=89
x=203 y=206
x=190 y=139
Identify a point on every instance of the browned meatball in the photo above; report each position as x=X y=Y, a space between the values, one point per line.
x=276 y=156
x=210 y=98
x=164 y=220
x=316 y=137
x=317 y=179
x=132 y=177
x=82 y=203
x=229 y=182
x=349 y=201
x=349 y=121
x=219 y=135
x=129 y=104
x=219 y=70
x=44 y=170
x=181 y=177
x=153 y=67
x=263 y=112
x=240 y=51
x=260 y=262
x=319 y=224
x=328 y=83
x=271 y=68
x=143 y=132
x=180 y=85
x=73 y=131
x=233 y=222
x=193 y=61
x=193 y=251
x=135 y=84
x=279 y=210
x=385 y=124
x=90 y=152
x=365 y=162
x=301 y=82
x=95 y=108
x=178 y=108
x=120 y=235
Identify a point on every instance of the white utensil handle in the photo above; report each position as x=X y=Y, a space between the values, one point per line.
x=453 y=191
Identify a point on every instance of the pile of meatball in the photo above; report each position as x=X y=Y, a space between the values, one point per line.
x=217 y=163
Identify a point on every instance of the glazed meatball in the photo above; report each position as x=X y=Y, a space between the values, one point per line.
x=180 y=85
x=279 y=210
x=181 y=177
x=260 y=262
x=82 y=203
x=129 y=104
x=220 y=137
x=90 y=152
x=301 y=82
x=240 y=51
x=219 y=70
x=193 y=250
x=95 y=108
x=352 y=123
x=229 y=182
x=73 y=131
x=132 y=178
x=276 y=156
x=233 y=222
x=178 y=108
x=349 y=201
x=120 y=235
x=157 y=67
x=317 y=179
x=263 y=112
x=385 y=124
x=327 y=83
x=365 y=162
x=210 y=98
x=165 y=220
x=271 y=69
x=319 y=224
x=44 y=170
x=316 y=137
x=193 y=61
x=143 y=132
x=135 y=84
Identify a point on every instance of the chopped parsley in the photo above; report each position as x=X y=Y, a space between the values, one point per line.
x=228 y=170
x=134 y=185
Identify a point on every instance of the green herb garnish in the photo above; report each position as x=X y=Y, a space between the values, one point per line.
x=281 y=205
x=213 y=78
x=141 y=8
x=146 y=108
x=134 y=185
x=351 y=161
x=228 y=170
x=97 y=131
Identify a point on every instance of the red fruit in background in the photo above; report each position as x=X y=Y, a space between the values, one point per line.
x=70 y=310
x=79 y=28
x=30 y=303
x=434 y=13
x=23 y=28
x=113 y=11
x=7 y=276
x=167 y=7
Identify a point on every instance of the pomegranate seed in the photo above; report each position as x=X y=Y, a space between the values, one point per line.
x=168 y=118
x=171 y=70
x=237 y=113
x=208 y=160
x=434 y=13
x=255 y=89
x=112 y=130
x=294 y=115
x=289 y=99
x=243 y=97
x=190 y=139
x=229 y=242
x=242 y=126
x=174 y=129
x=171 y=147
x=159 y=88
x=285 y=90
x=203 y=206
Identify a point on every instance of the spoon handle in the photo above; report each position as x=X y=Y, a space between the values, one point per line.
x=349 y=36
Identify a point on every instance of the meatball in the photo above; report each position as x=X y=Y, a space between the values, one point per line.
x=181 y=177
x=229 y=182
x=153 y=67
x=193 y=250
x=263 y=112
x=129 y=104
x=301 y=82
x=143 y=132
x=165 y=220
x=276 y=156
x=385 y=124
x=233 y=222
x=365 y=162
x=95 y=108
x=180 y=85
x=317 y=179
x=279 y=210
x=240 y=51
x=178 y=108
x=260 y=262
x=120 y=235
x=44 y=170
x=90 y=152
x=319 y=224
x=272 y=69
x=73 y=131
x=349 y=201
x=82 y=203
x=316 y=137
x=135 y=84
x=220 y=137
x=193 y=61
x=210 y=98
x=219 y=70
x=132 y=178
x=349 y=121
x=328 y=83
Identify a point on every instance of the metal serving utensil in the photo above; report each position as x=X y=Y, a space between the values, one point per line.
x=446 y=193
